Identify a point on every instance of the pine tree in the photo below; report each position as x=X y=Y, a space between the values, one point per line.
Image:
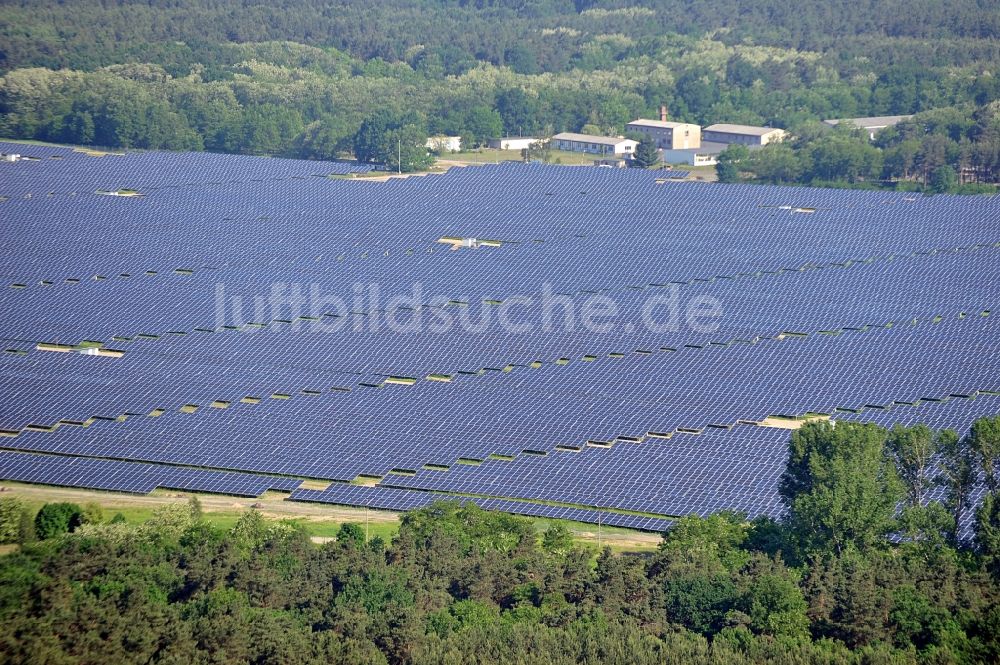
x=645 y=155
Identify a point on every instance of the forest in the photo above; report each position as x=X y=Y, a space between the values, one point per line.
x=939 y=151
x=301 y=78
x=867 y=565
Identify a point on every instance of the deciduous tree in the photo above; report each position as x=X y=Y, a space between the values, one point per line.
x=840 y=486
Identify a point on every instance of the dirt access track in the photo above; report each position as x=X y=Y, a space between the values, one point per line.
x=274 y=506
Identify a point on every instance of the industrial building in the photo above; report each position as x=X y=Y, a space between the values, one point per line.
x=596 y=145
x=705 y=155
x=743 y=134
x=444 y=143
x=514 y=142
x=871 y=125
x=667 y=134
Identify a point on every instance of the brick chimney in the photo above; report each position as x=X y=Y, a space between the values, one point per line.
x=663 y=113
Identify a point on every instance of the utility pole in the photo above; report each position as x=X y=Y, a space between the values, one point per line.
x=366 y=522
x=399 y=156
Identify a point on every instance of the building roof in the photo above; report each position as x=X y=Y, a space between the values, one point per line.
x=664 y=124
x=588 y=138
x=875 y=122
x=741 y=129
x=708 y=148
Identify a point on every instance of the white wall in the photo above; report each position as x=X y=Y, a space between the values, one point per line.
x=516 y=143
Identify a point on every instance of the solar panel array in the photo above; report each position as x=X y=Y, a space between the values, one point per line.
x=260 y=322
x=403 y=500
x=118 y=476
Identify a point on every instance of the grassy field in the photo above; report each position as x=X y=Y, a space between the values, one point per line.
x=482 y=156
x=321 y=521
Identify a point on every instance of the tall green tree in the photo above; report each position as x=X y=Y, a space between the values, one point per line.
x=351 y=535
x=773 y=600
x=326 y=138
x=479 y=125
x=943 y=179
x=727 y=169
x=777 y=163
x=646 y=154
x=371 y=139
x=840 y=486
x=956 y=474
x=398 y=142
x=913 y=450
x=984 y=440
x=843 y=156
x=11 y=510
x=520 y=112
x=55 y=519
x=988 y=532
x=407 y=150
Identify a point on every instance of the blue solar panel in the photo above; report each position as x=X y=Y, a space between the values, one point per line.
x=831 y=301
x=118 y=476
x=403 y=500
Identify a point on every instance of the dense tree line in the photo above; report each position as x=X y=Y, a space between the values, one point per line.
x=267 y=108
x=78 y=34
x=867 y=567
x=299 y=79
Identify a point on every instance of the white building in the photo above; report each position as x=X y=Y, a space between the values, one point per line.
x=871 y=125
x=596 y=145
x=444 y=143
x=745 y=134
x=705 y=155
x=668 y=135
x=514 y=142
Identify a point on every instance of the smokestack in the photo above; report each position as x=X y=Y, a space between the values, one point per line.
x=663 y=113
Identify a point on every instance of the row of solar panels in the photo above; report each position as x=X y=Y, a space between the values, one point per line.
x=156 y=306
x=291 y=219
x=119 y=476
x=403 y=500
x=451 y=338
x=54 y=170
x=713 y=471
x=657 y=391
x=778 y=260
x=528 y=414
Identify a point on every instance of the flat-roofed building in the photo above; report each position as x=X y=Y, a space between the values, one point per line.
x=745 y=134
x=514 y=142
x=444 y=143
x=595 y=145
x=705 y=155
x=871 y=125
x=667 y=134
